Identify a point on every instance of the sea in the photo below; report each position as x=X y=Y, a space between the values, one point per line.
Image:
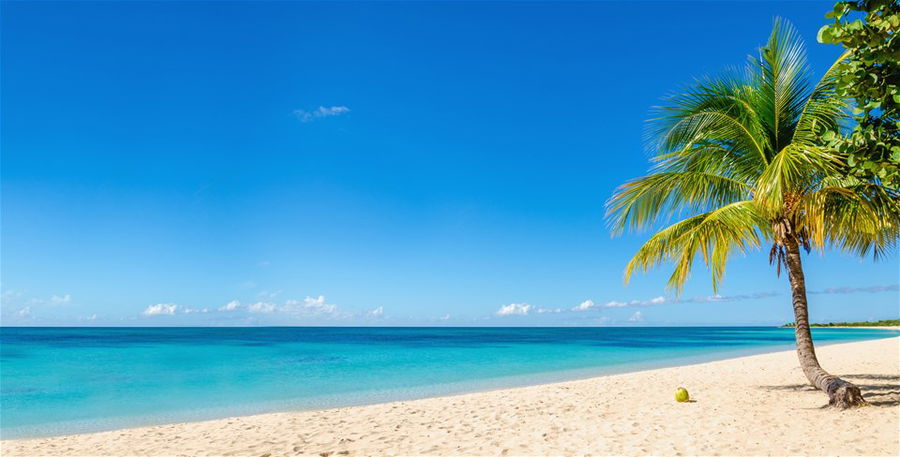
x=58 y=381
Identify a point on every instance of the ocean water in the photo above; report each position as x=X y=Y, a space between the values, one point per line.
x=72 y=380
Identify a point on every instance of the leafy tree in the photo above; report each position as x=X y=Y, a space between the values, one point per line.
x=870 y=76
x=742 y=155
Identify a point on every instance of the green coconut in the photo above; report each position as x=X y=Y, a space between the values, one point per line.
x=681 y=395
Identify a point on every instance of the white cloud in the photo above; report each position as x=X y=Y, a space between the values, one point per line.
x=262 y=307
x=588 y=304
x=710 y=299
x=636 y=317
x=231 y=306
x=320 y=112
x=584 y=306
x=195 y=310
x=310 y=305
x=851 y=290
x=17 y=297
x=632 y=303
x=724 y=298
x=57 y=300
x=24 y=312
x=513 y=309
x=445 y=317
x=161 y=309
x=548 y=310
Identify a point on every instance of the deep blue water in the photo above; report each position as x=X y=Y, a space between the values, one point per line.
x=70 y=380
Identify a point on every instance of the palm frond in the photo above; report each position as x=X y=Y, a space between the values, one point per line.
x=716 y=234
x=745 y=150
x=793 y=172
x=713 y=111
x=824 y=110
x=644 y=201
x=857 y=217
x=780 y=77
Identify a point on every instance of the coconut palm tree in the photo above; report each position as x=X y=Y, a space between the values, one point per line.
x=743 y=155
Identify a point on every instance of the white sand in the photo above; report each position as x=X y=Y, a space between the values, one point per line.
x=881 y=327
x=757 y=405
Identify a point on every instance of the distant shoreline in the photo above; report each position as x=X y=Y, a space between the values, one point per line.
x=887 y=324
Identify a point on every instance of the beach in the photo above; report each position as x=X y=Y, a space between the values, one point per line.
x=755 y=405
x=880 y=327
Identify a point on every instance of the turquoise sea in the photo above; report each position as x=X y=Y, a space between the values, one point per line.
x=70 y=380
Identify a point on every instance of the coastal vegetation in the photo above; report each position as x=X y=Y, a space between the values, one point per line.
x=870 y=77
x=882 y=323
x=747 y=157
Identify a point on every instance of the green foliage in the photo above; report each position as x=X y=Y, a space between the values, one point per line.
x=884 y=323
x=869 y=75
x=742 y=156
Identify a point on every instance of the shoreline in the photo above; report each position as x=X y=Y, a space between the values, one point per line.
x=760 y=394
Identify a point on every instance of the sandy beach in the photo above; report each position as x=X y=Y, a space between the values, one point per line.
x=757 y=405
x=880 y=327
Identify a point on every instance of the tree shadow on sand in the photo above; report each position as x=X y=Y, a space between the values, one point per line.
x=875 y=377
x=878 y=390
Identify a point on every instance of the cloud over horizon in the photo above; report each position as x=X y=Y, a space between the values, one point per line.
x=161 y=309
x=853 y=290
x=231 y=306
x=19 y=306
x=589 y=304
x=320 y=112
x=195 y=310
x=61 y=300
x=309 y=307
x=514 y=309
x=524 y=309
x=262 y=307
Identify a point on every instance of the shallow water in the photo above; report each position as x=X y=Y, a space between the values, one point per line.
x=71 y=380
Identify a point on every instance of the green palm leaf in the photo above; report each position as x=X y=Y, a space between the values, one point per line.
x=716 y=234
x=742 y=158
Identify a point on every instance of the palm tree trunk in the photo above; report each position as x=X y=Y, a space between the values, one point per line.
x=841 y=394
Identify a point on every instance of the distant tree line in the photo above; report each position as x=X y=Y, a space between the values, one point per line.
x=883 y=323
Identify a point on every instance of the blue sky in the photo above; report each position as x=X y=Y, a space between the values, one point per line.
x=438 y=163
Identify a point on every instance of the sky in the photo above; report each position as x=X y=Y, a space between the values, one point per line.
x=378 y=163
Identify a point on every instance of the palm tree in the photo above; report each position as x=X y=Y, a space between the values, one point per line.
x=743 y=155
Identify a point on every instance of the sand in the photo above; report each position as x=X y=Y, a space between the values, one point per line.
x=758 y=405
x=880 y=327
